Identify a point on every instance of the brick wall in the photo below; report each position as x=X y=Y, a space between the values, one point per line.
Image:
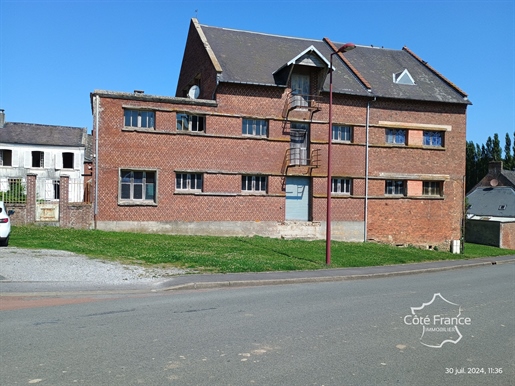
x=222 y=155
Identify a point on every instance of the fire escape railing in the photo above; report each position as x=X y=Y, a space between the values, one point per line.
x=297 y=158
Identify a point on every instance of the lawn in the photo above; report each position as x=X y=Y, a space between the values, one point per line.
x=228 y=254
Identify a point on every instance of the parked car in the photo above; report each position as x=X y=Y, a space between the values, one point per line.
x=5 y=226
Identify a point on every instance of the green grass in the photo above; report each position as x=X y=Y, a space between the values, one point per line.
x=228 y=254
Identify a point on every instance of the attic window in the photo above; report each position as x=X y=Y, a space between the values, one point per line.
x=502 y=207
x=403 y=77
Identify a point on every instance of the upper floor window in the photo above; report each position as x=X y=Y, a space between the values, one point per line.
x=188 y=182
x=186 y=122
x=433 y=138
x=341 y=185
x=68 y=160
x=397 y=137
x=395 y=187
x=254 y=184
x=139 y=118
x=6 y=157
x=342 y=133
x=432 y=188
x=137 y=185
x=38 y=159
x=256 y=127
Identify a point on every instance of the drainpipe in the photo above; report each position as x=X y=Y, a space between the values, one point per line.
x=365 y=233
x=95 y=210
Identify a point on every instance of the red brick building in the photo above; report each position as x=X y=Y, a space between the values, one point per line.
x=242 y=148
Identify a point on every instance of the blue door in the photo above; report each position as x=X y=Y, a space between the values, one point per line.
x=297 y=198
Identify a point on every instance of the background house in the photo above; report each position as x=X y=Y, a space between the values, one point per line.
x=491 y=209
x=242 y=148
x=46 y=151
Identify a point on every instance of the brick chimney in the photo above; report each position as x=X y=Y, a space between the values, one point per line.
x=2 y=118
x=495 y=168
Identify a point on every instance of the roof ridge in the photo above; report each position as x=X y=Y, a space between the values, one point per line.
x=256 y=33
x=44 y=124
x=424 y=63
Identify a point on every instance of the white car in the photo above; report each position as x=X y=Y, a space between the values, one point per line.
x=5 y=225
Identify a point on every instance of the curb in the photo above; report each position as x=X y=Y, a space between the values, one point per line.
x=321 y=279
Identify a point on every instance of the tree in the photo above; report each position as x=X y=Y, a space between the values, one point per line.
x=508 y=157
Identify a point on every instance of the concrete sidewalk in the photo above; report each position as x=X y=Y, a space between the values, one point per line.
x=199 y=281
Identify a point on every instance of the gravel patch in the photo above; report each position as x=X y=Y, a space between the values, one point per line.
x=40 y=265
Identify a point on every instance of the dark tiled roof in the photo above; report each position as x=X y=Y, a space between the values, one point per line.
x=488 y=201
x=88 y=152
x=249 y=57
x=510 y=175
x=45 y=135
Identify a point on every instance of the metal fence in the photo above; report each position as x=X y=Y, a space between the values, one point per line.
x=13 y=190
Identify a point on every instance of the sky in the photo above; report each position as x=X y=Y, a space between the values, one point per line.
x=53 y=54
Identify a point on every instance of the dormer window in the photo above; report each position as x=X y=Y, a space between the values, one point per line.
x=403 y=77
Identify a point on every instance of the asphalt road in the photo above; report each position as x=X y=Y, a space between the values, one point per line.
x=336 y=333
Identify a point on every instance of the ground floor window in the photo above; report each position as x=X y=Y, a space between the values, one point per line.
x=253 y=184
x=137 y=185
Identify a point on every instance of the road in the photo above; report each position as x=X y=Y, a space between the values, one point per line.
x=339 y=333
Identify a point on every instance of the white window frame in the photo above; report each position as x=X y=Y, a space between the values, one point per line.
x=188 y=122
x=254 y=127
x=341 y=186
x=342 y=133
x=435 y=138
x=392 y=136
x=254 y=184
x=189 y=182
x=139 y=118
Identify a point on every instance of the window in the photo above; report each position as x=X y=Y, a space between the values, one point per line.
x=187 y=122
x=138 y=118
x=256 y=127
x=397 y=187
x=57 y=190
x=433 y=138
x=6 y=158
x=341 y=185
x=253 y=184
x=68 y=160
x=397 y=137
x=188 y=182
x=342 y=133
x=136 y=185
x=403 y=77
x=38 y=159
x=432 y=188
